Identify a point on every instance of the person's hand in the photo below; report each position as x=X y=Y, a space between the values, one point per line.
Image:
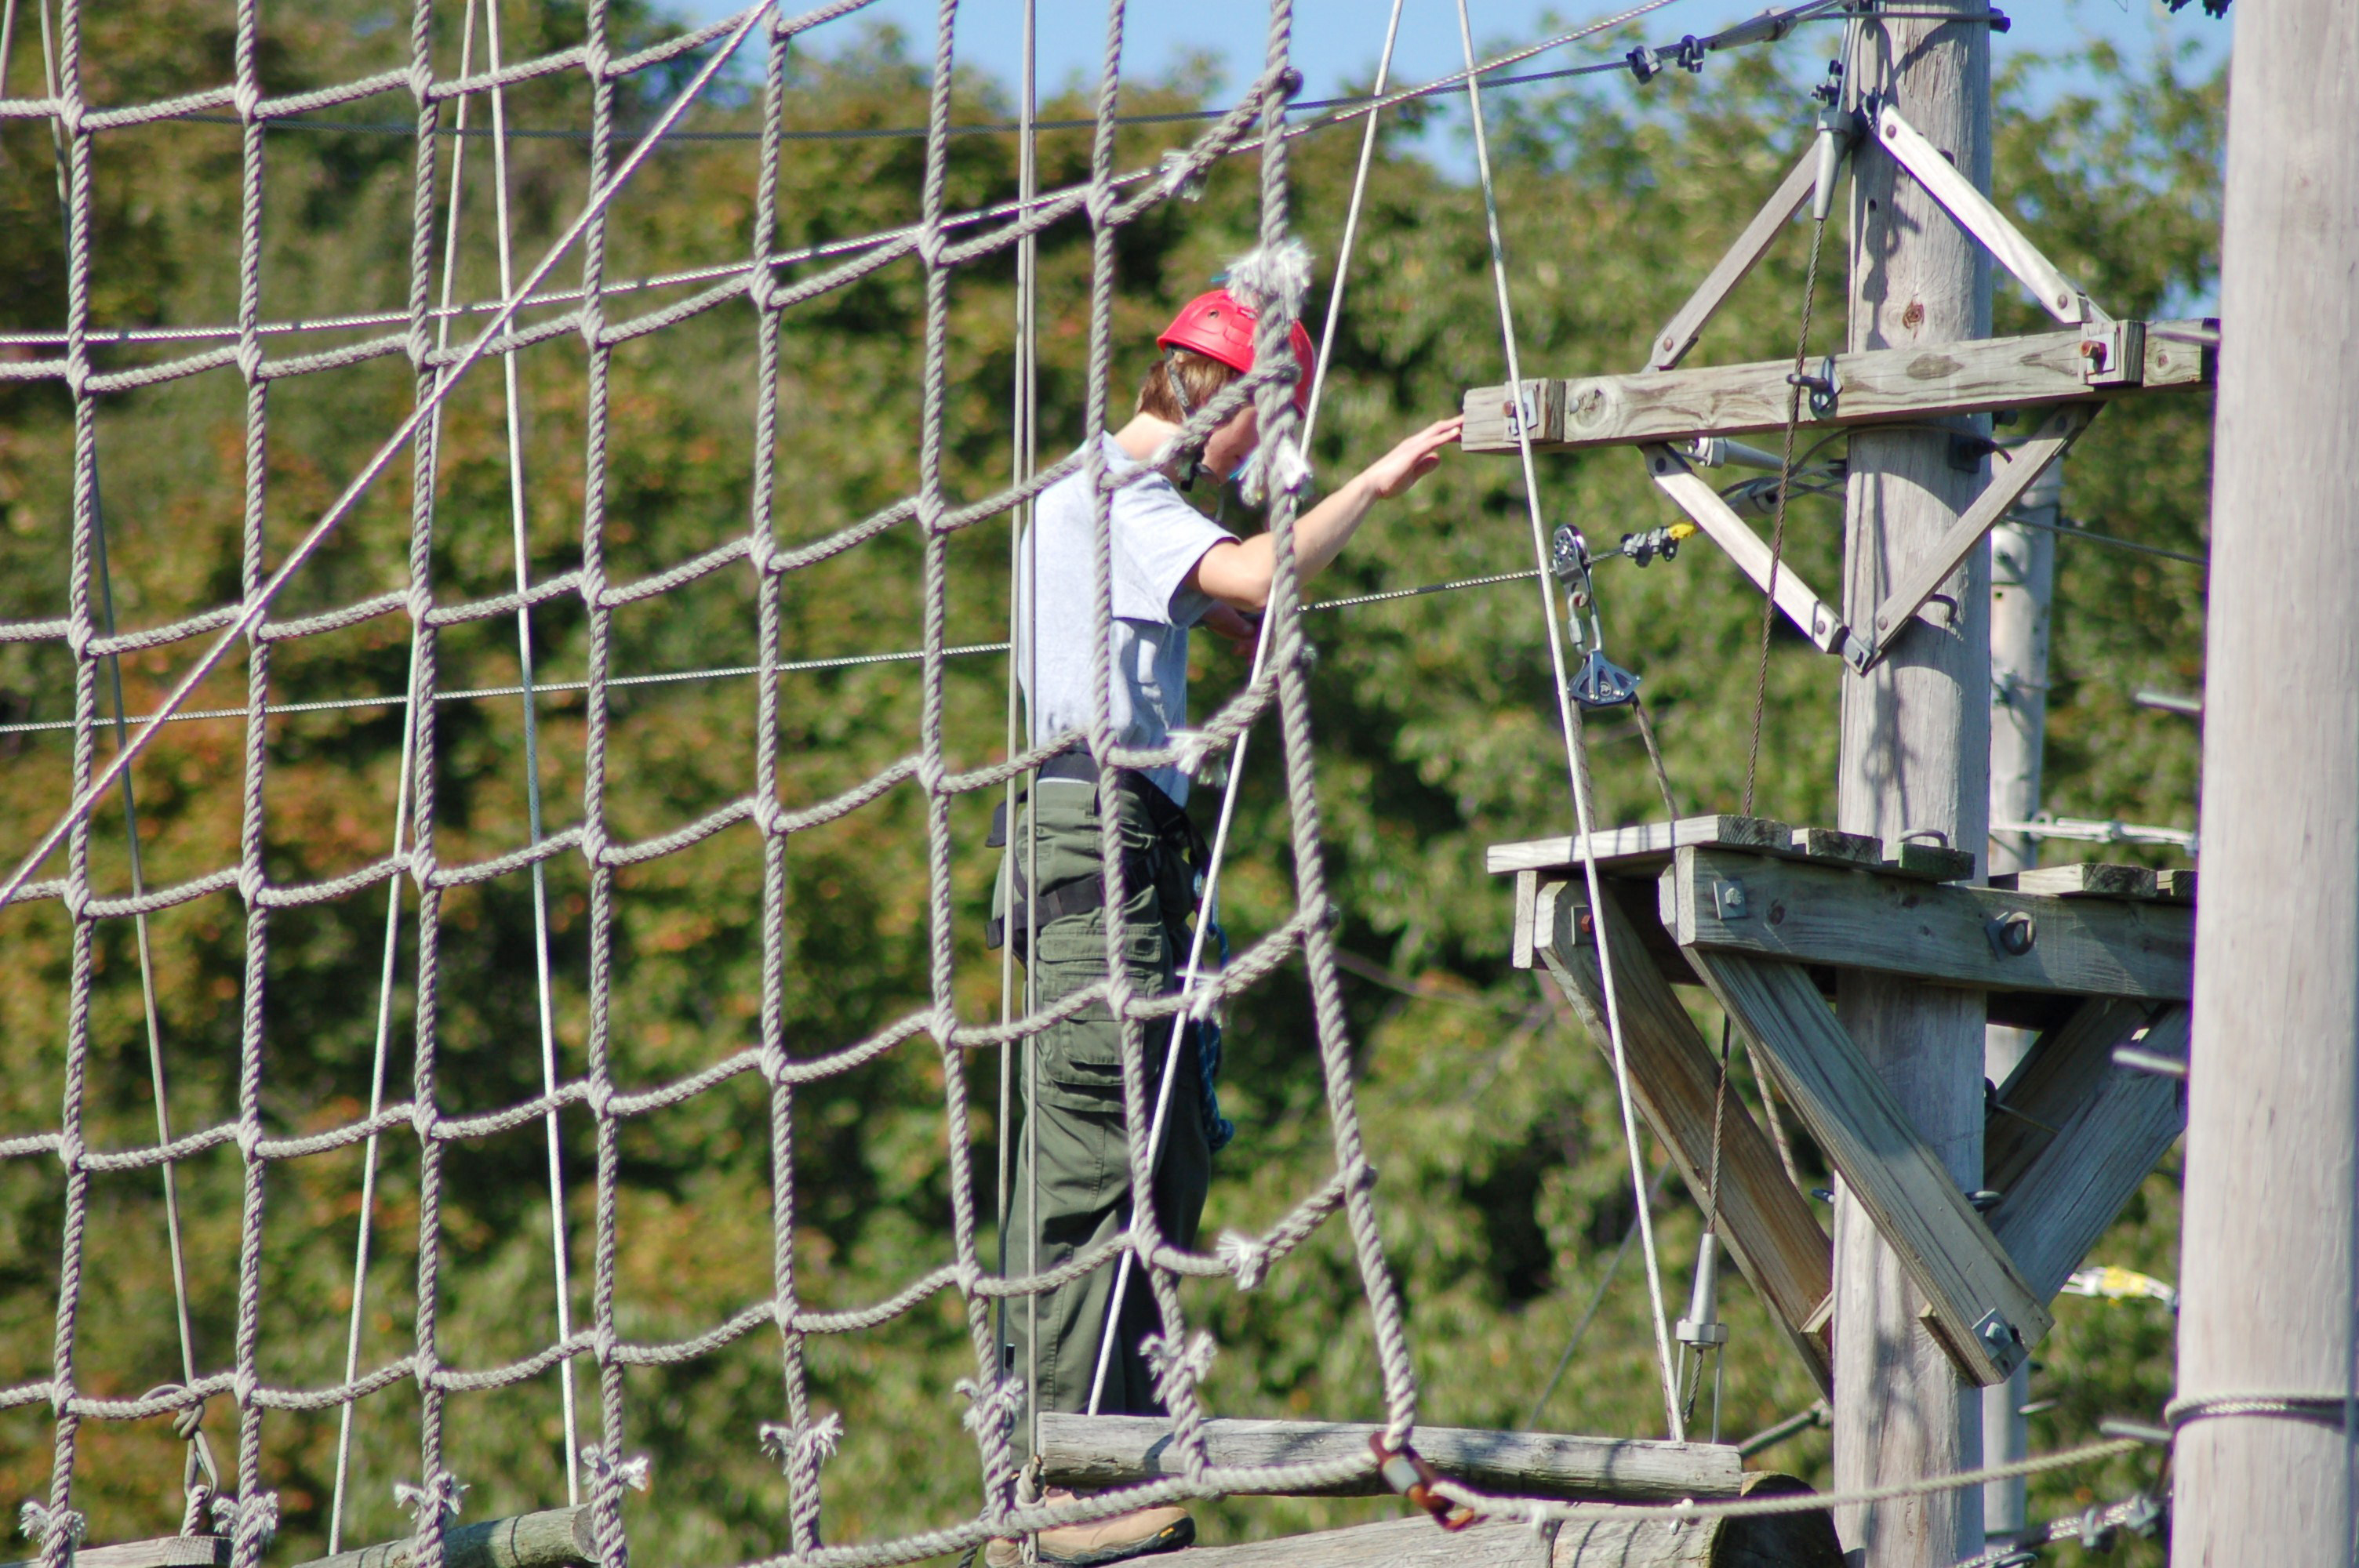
x=1239 y=631
x=1397 y=470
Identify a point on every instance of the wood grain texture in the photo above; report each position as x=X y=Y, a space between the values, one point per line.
x=2052 y=1084
x=1819 y=621
x=1642 y=846
x=2072 y=1193
x=555 y=1538
x=1902 y=1184
x=2270 y=1218
x=1883 y=384
x=1938 y=933
x=1767 y=1225
x=164 y=1551
x=1093 y=1450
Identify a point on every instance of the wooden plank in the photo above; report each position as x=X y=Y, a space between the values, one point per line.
x=2067 y=1198
x=1819 y=621
x=1543 y=399
x=1520 y=947
x=164 y=1551
x=1644 y=846
x=2087 y=879
x=1768 y=1227
x=1948 y=1253
x=1919 y=580
x=1876 y=385
x=1803 y=1540
x=555 y=1538
x=1943 y=933
x=2052 y=1083
x=2177 y=885
x=1680 y=333
x=1090 y=1451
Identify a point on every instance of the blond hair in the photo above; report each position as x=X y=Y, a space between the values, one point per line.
x=1181 y=384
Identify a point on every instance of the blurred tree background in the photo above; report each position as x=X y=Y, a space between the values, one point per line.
x=1506 y=1189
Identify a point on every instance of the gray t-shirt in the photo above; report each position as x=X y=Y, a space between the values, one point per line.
x=1157 y=540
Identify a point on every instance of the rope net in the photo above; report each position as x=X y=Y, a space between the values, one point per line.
x=444 y=340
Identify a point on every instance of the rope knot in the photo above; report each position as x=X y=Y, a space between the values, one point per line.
x=419 y=347
x=249 y=358
x=1246 y=1256
x=992 y=1410
x=37 y=1521
x=1181 y=177
x=638 y=1472
x=72 y=1150
x=769 y=817
x=1177 y=1371
x=421 y=82
x=252 y=1517
x=441 y=1497
x=797 y=1445
x=251 y=885
x=246 y=98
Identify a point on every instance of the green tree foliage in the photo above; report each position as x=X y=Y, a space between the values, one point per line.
x=1506 y=1185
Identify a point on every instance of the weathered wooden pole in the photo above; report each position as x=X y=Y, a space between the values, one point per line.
x=2266 y=1270
x=1915 y=755
x=2023 y=583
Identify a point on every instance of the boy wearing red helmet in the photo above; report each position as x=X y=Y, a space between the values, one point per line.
x=1172 y=567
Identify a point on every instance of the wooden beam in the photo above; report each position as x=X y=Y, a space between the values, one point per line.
x=1935 y=382
x=1768 y=1226
x=1920 y=580
x=1979 y=1307
x=1645 y=846
x=555 y=1538
x=2067 y=1198
x=2052 y=1084
x=1093 y=1450
x=1943 y=934
x=164 y=1551
x=1822 y=623
x=1805 y=1539
x=1680 y=332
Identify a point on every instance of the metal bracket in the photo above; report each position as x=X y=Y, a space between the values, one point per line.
x=2113 y=353
x=1825 y=388
x=1602 y=683
x=1975 y=213
x=2000 y=1341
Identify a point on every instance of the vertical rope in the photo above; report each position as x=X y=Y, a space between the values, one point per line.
x=1569 y=717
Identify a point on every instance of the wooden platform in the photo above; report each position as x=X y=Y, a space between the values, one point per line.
x=1769 y=916
x=1805 y=1539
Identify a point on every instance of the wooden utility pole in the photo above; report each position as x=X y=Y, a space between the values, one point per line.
x=2023 y=583
x=2267 y=1274
x=1915 y=753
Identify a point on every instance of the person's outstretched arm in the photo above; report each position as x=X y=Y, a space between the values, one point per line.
x=1238 y=572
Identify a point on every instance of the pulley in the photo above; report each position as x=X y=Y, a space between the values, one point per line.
x=1599 y=682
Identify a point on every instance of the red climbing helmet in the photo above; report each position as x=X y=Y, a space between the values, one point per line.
x=1220 y=327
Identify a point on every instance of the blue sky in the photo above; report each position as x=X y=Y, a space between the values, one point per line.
x=1336 y=42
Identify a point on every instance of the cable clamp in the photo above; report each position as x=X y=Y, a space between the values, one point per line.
x=1409 y=1473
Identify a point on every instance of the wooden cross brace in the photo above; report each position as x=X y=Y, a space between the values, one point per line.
x=2066 y=374
x=1765 y=915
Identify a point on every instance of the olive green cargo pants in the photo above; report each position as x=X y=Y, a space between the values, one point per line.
x=1074 y=1103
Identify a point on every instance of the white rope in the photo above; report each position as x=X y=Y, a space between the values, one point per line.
x=1571 y=721
x=1208 y=910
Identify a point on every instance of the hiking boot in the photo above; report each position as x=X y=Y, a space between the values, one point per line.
x=1139 y=1533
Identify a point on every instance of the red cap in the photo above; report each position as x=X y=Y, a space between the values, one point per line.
x=1219 y=327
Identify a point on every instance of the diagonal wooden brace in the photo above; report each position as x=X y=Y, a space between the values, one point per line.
x=1680 y=332
x=2051 y=441
x=1766 y=1224
x=2068 y=1196
x=1817 y=620
x=1978 y=216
